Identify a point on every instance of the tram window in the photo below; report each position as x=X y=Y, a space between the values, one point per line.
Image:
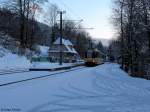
x=94 y=54
x=89 y=54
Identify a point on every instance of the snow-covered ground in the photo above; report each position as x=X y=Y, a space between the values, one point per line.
x=104 y=88
x=48 y=65
x=12 y=61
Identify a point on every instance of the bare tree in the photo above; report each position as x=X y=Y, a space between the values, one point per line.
x=132 y=22
x=51 y=19
x=26 y=10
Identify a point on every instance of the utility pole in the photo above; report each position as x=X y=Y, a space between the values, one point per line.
x=61 y=35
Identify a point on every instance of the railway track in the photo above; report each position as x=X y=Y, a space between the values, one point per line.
x=13 y=71
x=39 y=77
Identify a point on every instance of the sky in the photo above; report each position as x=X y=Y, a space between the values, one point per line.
x=95 y=13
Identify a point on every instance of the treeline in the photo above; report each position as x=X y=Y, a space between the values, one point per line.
x=18 y=19
x=10 y=24
x=131 y=19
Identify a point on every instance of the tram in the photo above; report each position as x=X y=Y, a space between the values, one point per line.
x=94 y=57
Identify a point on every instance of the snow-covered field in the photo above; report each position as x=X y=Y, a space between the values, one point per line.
x=104 y=88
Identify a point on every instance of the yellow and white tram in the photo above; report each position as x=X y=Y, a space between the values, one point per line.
x=94 y=57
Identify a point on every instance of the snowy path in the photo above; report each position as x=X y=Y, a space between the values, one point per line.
x=103 y=88
x=21 y=77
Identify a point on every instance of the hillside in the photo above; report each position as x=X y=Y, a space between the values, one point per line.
x=8 y=60
x=9 y=53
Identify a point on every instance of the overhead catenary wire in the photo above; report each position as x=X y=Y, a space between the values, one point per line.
x=72 y=14
x=60 y=6
x=68 y=9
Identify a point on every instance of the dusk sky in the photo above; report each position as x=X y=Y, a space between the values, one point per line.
x=95 y=13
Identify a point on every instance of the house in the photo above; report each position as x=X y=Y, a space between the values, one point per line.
x=68 y=51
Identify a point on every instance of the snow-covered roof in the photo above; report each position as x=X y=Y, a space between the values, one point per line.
x=67 y=44
x=64 y=42
x=71 y=50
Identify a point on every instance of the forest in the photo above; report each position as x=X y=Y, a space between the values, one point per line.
x=131 y=20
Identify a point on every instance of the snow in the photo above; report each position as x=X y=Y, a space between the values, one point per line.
x=13 y=61
x=64 y=42
x=9 y=60
x=21 y=76
x=67 y=44
x=72 y=50
x=104 y=88
x=48 y=65
x=44 y=50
